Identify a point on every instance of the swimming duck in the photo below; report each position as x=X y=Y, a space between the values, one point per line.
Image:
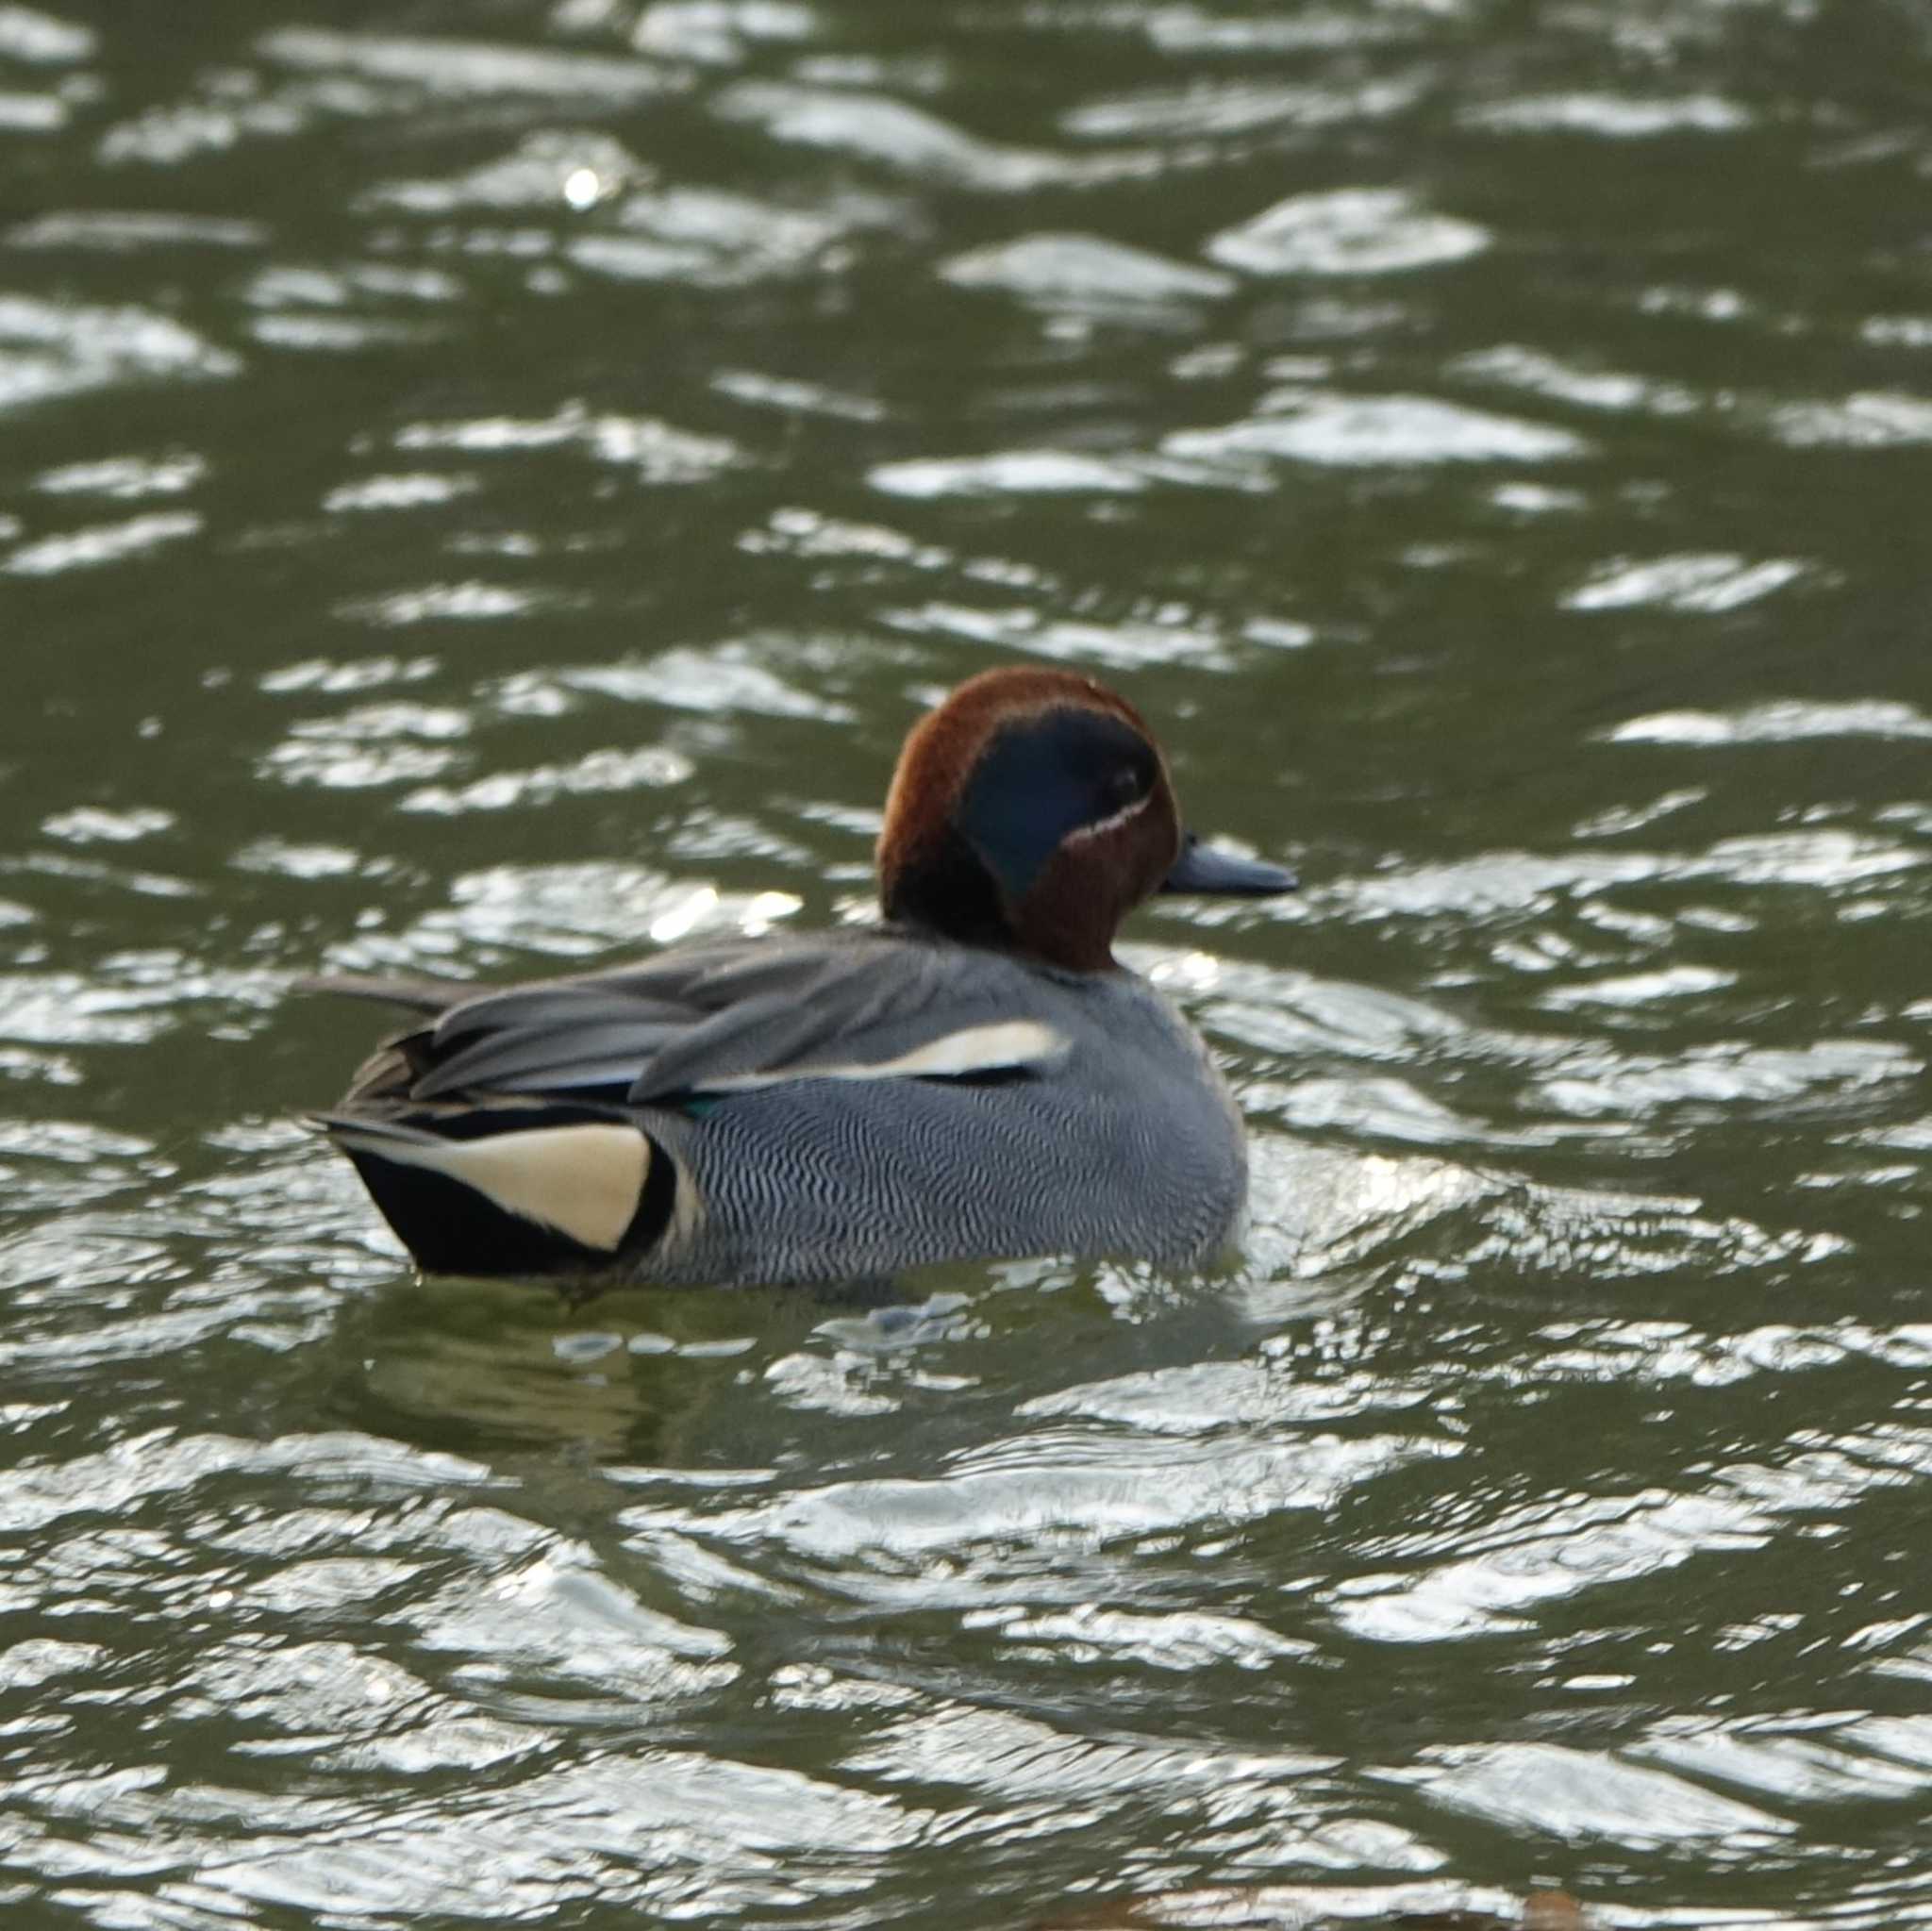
x=977 y=1078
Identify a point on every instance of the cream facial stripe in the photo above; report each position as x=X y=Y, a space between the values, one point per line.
x=1102 y=826
x=584 y=1181
x=1004 y=1045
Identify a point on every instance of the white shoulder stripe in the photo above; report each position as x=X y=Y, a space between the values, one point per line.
x=585 y=1181
x=1005 y=1045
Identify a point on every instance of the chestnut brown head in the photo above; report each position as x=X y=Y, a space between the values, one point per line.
x=1033 y=811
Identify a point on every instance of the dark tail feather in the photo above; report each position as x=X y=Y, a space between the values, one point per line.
x=541 y=1192
x=415 y=994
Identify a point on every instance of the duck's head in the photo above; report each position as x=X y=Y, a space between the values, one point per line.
x=1032 y=810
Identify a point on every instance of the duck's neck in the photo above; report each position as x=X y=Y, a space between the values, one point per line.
x=946 y=889
x=950 y=893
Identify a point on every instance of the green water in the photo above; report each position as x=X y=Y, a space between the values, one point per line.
x=485 y=487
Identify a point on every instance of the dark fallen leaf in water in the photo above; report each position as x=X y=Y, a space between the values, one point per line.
x=1553 y=1910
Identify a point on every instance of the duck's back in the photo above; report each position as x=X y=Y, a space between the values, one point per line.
x=797 y=1110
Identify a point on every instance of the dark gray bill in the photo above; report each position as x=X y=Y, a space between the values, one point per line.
x=1203 y=869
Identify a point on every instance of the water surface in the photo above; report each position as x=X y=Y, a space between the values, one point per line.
x=486 y=487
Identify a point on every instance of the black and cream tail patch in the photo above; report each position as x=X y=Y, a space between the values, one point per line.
x=483 y=1194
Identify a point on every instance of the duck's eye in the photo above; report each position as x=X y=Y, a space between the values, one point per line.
x=1126 y=785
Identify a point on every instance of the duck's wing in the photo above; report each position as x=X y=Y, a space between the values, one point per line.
x=709 y=1019
x=411 y=991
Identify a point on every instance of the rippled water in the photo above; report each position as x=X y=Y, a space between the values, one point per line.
x=486 y=485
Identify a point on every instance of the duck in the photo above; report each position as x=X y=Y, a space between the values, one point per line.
x=975 y=1078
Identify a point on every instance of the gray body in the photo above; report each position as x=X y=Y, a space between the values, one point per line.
x=832 y=1106
x=1130 y=1146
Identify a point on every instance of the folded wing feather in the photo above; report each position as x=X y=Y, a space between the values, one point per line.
x=740 y=1015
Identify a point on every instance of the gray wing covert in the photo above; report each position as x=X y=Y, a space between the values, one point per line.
x=745 y=1013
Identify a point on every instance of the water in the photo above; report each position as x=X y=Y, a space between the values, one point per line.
x=485 y=487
